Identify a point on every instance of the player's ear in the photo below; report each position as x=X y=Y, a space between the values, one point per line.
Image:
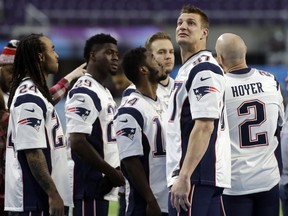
x=204 y=33
x=41 y=57
x=220 y=59
x=143 y=69
x=93 y=55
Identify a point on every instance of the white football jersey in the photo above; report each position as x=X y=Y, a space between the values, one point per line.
x=163 y=92
x=199 y=93
x=127 y=92
x=255 y=109
x=34 y=124
x=140 y=131
x=284 y=150
x=90 y=110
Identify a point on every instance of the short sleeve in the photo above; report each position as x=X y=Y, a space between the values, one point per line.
x=128 y=134
x=29 y=124
x=81 y=113
x=206 y=93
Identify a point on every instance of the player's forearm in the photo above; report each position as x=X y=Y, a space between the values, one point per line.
x=138 y=178
x=59 y=90
x=197 y=146
x=88 y=154
x=38 y=166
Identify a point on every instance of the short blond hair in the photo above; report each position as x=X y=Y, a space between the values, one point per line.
x=156 y=36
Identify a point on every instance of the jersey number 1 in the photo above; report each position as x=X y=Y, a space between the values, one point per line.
x=159 y=147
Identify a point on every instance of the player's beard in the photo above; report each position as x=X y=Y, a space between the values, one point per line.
x=168 y=72
x=163 y=77
x=154 y=75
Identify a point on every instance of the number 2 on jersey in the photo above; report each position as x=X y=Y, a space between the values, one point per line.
x=110 y=135
x=246 y=136
x=57 y=140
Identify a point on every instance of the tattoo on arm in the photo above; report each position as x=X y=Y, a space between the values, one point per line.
x=39 y=169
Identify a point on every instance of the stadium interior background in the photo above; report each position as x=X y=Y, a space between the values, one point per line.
x=262 y=24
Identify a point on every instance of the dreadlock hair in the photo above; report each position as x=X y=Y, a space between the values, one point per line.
x=95 y=43
x=27 y=63
x=131 y=63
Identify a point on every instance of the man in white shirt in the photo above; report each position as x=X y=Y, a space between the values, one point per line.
x=140 y=130
x=255 y=113
x=198 y=147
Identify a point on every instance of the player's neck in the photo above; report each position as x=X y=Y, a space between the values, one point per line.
x=242 y=65
x=148 y=90
x=188 y=51
x=99 y=77
x=97 y=73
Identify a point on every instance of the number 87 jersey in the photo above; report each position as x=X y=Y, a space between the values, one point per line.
x=199 y=94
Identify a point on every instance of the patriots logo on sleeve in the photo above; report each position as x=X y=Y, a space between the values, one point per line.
x=128 y=132
x=82 y=112
x=203 y=90
x=33 y=122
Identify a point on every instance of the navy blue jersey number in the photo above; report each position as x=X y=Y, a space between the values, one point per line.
x=159 y=143
x=177 y=87
x=247 y=137
x=57 y=140
x=110 y=135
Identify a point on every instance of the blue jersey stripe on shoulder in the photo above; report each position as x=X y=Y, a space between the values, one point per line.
x=133 y=112
x=29 y=98
x=89 y=92
x=128 y=91
x=202 y=67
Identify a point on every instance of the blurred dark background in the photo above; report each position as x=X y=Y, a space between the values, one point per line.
x=262 y=24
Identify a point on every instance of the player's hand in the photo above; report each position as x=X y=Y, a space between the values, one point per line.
x=179 y=194
x=56 y=205
x=116 y=178
x=77 y=72
x=105 y=186
x=153 y=209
